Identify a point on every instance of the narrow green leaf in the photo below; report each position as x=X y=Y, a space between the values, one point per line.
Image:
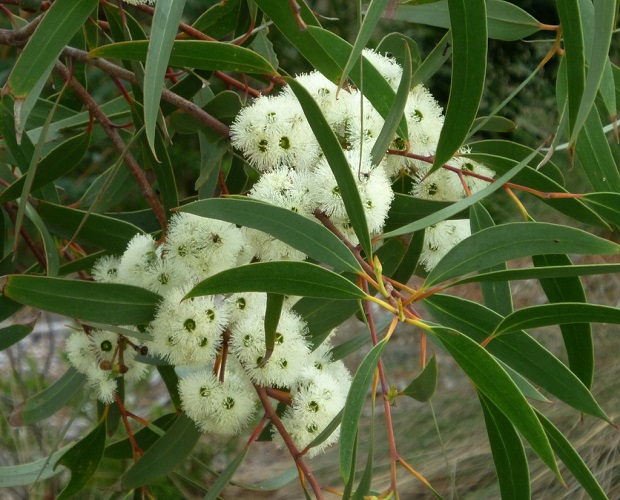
x=272 y=318
x=570 y=20
x=13 y=334
x=606 y=204
x=30 y=473
x=508 y=453
x=497 y=124
x=505 y=20
x=297 y=231
x=165 y=26
x=271 y=484
x=196 y=54
x=164 y=455
x=406 y=209
x=8 y=307
x=410 y=260
x=49 y=401
x=57 y=163
x=52 y=258
x=353 y=408
x=604 y=20
x=371 y=18
x=557 y=314
x=99 y=230
x=571 y=459
x=82 y=459
x=461 y=205
x=469 y=61
x=497 y=294
x=392 y=45
x=60 y=23
x=527 y=389
x=323 y=315
x=386 y=136
x=491 y=379
x=519 y=351
x=434 y=61
x=171 y=381
x=327 y=431
x=284 y=277
x=423 y=386
x=338 y=163
x=86 y=300
x=541 y=273
x=226 y=475
x=219 y=20
x=498 y=244
x=577 y=336
x=144 y=438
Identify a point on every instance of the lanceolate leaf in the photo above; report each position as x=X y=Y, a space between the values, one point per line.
x=604 y=21
x=323 y=315
x=272 y=318
x=144 y=438
x=12 y=334
x=164 y=455
x=49 y=401
x=570 y=19
x=353 y=408
x=498 y=244
x=165 y=25
x=283 y=277
x=337 y=161
x=577 y=336
x=58 y=26
x=300 y=232
x=26 y=474
x=557 y=314
x=469 y=61
x=571 y=459
x=435 y=60
x=423 y=386
x=508 y=453
x=197 y=54
x=518 y=350
x=87 y=300
x=461 y=205
x=505 y=20
x=82 y=459
x=226 y=475
x=495 y=384
x=606 y=204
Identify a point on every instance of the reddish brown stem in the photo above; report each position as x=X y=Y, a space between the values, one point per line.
x=136 y=451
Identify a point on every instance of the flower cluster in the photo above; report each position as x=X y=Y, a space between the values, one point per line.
x=276 y=139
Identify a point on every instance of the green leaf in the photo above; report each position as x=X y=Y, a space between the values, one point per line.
x=35 y=63
x=272 y=318
x=293 y=229
x=557 y=314
x=136 y=334
x=491 y=379
x=410 y=260
x=577 y=336
x=99 y=230
x=373 y=13
x=30 y=473
x=144 y=438
x=49 y=401
x=528 y=273
x=406 y=209
x=423 y=386
x=604 y=20
x=571 y=459
x=498 y=244
x=57 y=163
x=461 y=205
x=386 y=136
x=52 y=259
x=497 y=124
x=570 y=20
x=393 y=44
x=219 y=20
x=496 y=294
x=469 y=63
x=226 y=475
x=82 y=459
x=164 y=455
x=519 y=351
x=606 y=204
x=197 y=54
x=13 y=334
x=8 y=307
x=527 y=389
x=508 y=453
x=505 y=20
x=86 y=300
x=171 y=381
x=323 y=315
x=165 y=26
x=434 y=61
x=284 y=277
x=337 y=161
x=353 y=408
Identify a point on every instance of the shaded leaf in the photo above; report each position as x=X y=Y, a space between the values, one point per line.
x=12 y=334
x=423 y=386
x=226 y=475
x=606 y=204
x=144 y=438
x=30 y=473
x=87 y=300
